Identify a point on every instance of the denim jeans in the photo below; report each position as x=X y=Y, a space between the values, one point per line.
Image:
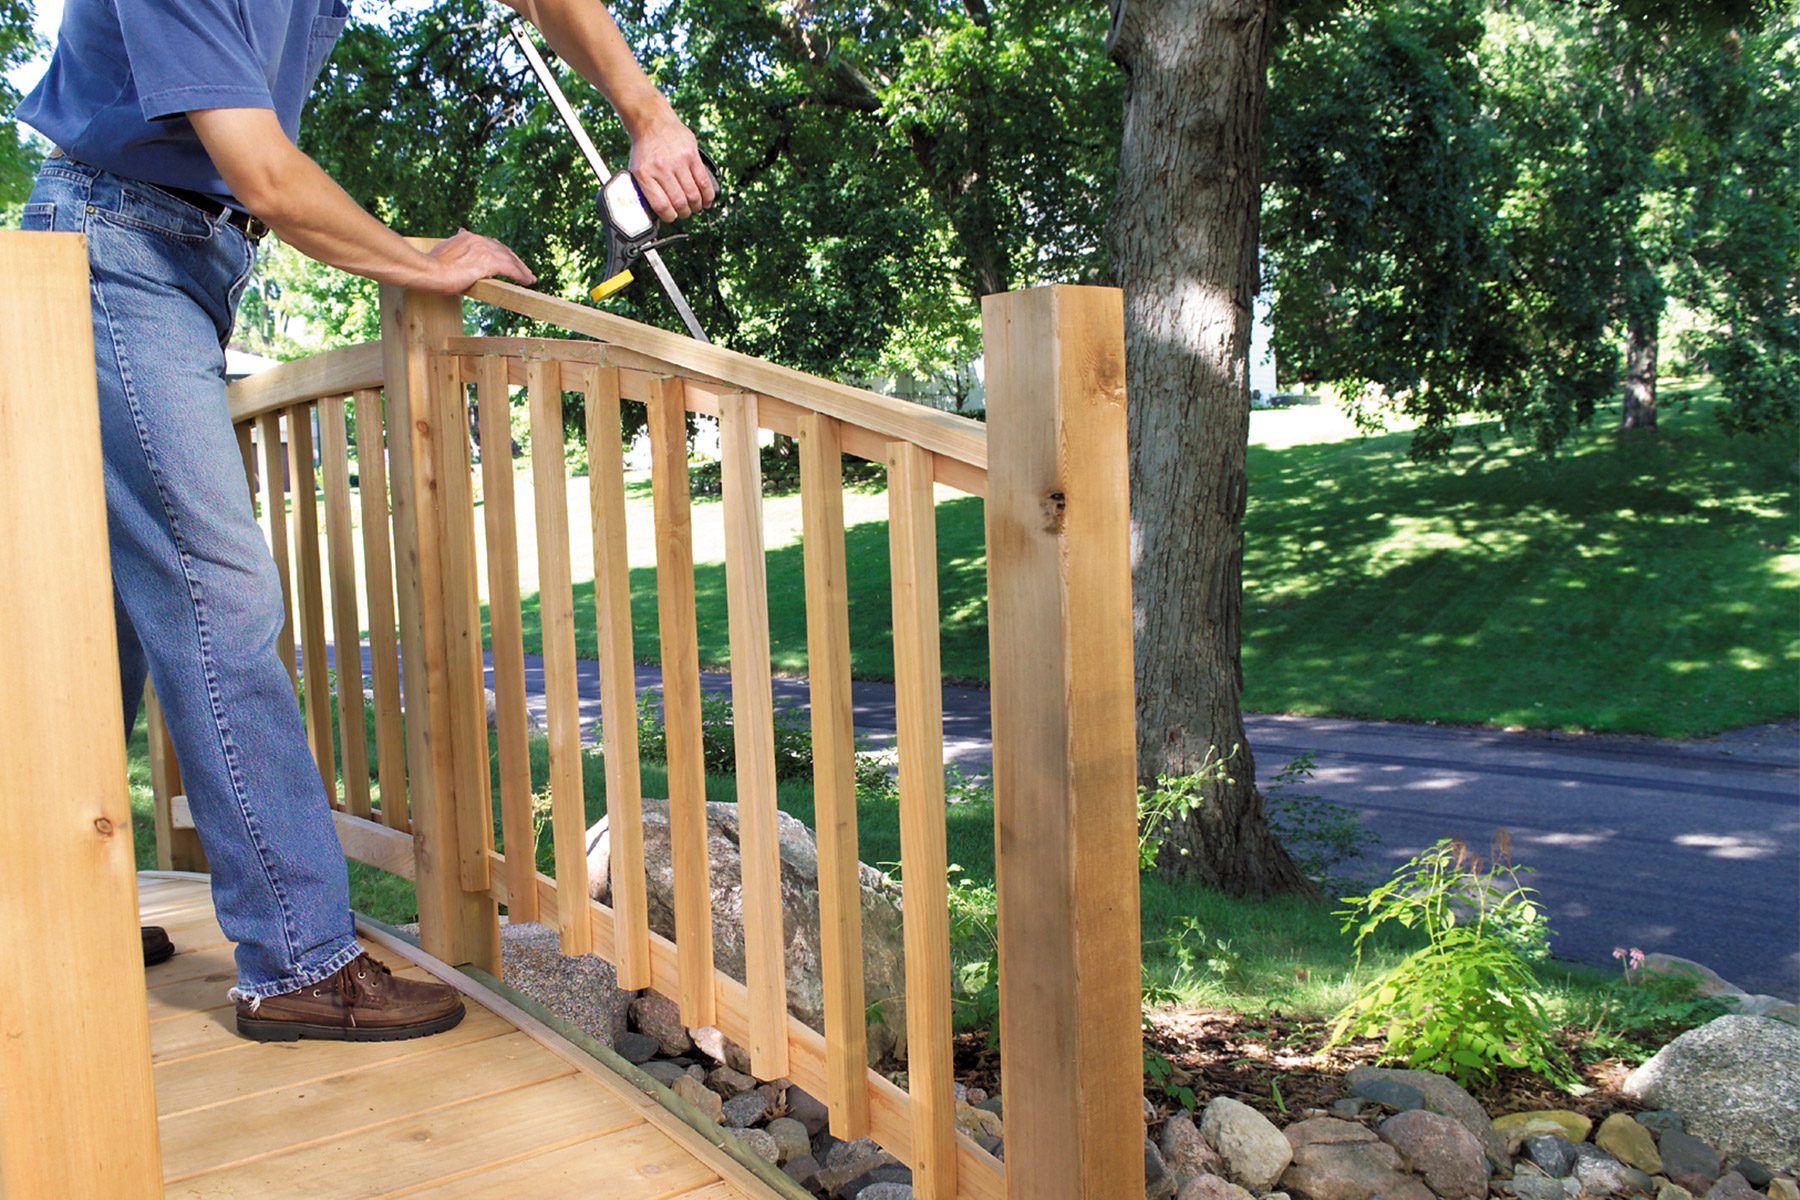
x=196 y=595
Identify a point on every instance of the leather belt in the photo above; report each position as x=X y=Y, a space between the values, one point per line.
x=251 y=227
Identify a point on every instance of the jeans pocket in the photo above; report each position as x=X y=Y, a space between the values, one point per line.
x=38 y=218
x=155 y=211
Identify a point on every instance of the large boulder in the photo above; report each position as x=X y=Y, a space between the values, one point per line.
x=1438 y=1147
x=1736 y=1083
x=1255 y=1152
x=1436 y=1093
x=582 y=990
x=1341 y=1160
x=884 y=968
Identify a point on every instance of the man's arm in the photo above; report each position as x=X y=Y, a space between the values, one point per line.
x=272 y=178
x=665 y=159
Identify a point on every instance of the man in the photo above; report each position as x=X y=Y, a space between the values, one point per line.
x=174 y=124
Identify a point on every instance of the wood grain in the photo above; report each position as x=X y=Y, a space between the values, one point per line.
x=378 y=582
x=327 y=373
x=346 y=618
x=310 y=586
x=275 y=518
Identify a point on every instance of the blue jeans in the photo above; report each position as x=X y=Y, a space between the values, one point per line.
x=195 y=591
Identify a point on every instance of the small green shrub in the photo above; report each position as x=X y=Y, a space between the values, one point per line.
x=781 y=472
x=1170 y=802
x=1320 y=836
x=793 y=735
x=1465 y=1004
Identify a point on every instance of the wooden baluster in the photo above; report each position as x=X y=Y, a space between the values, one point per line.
x=275 y=513
x=378 y=582
x=473 y=783
x=618 y=678
x=509 y=648
x=456 y=925
x=79 y=1112
x=1065 y=771
x=681 y=699
x=753 y=732
x=346 y=620
x=177 y=844
x=247 y=450
x=924 y=864
x=312 y=598
x=834 y=774
x=556 y=603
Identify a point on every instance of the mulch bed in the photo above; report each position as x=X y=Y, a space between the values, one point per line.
x=1277 y=1065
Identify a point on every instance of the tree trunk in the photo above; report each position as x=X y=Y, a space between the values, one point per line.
x=1184 y=240
x=1640 y=372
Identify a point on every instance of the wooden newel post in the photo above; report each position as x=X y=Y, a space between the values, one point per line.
x=426 y=442
x=1065 y=779
x=77 y=1114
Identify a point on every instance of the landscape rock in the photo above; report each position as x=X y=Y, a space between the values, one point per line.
x=1706 y=981
x=1254 y=1151
x=759 y=1141
x=665 y=1073
x=1783 y=1189
x=1623 y=1138
x=1660 y=1120
x=1736 y=1083
x=978 y=1120
x=701 y=1097
x=1673 y=1191
x=1755 y=1173
x=1379 y=1087
x=729 y=1083
x=883 y=955
x=636 y=1048
x=1158 y=1183
x=659 y=1017
x=1187 y=1153
x=1340 y=1160
x=886 y=1190
x=1538 y=1187
x=1689 y=1161
x=1453 y=1163
x=744 y=1109
x=1514 y=1128
x=724 y=1052
x=1600 y=1174
x=1211 y=1187
x=1349 y=1107
x=846 y=1161
x=791 y=1138
x=1439 y=1094
x=1731 y=1186
x=1552 y=1154
x=583 y=990
x=803 y=1170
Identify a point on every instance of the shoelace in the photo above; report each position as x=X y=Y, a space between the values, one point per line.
x=351 y=986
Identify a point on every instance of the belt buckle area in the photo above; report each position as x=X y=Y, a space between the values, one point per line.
x=255 y=228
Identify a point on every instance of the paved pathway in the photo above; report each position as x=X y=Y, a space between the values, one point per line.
x=1691 y=848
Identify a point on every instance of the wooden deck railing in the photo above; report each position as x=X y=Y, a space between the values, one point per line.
x=1051 y=465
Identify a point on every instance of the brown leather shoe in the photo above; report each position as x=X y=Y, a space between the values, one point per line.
x=363 y=1002
x=157 y=946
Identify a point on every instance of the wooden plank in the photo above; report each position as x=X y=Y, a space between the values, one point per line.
x=385 y=849
x=311 y=597
x=919 y=699
x=637 y=1163
x=247 y=451
x=618 y=679
x=426 y=1148
x=681 y=699
x=933 y=429
x=753 y=733
x=1065 y=772
x=473 y=784
x=378 y=583
x=326 y=1109
x=512 y=729
x=177 y=848
x=275 y=514
x=834 y=774
x=455 y=925
x=346 y=618
x=328 y=373
x=556 y=606
x=77 y=1117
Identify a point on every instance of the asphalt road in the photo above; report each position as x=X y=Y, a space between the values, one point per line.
x=1689 y=848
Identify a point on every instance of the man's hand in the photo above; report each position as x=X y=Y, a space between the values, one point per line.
x=468 y=258
x=665 y=161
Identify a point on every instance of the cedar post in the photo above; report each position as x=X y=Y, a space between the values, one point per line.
x=455 y=925
x=77 y=1114
x=1065 y=779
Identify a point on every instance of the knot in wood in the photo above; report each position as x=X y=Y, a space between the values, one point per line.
x=103 y=826
x=1056 y=504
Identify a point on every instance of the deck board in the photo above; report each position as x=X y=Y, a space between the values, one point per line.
x=497 y=1107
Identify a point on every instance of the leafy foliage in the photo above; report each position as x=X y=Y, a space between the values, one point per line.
x=18 y=156
x=1320 y=836
x=1171 y=801
x=1466 y=1003
x=793 y=735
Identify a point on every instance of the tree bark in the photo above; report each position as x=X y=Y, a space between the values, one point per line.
x=1184 y=242
x=1640 y=372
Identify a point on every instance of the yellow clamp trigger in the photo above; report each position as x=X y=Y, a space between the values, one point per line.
x=622 y=279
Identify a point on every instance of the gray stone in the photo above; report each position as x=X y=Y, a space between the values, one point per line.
x=729 y=1083
x=846 y=1161
x=885 y=1191
x=665 y=1073
x=1736 y=1083
x=1439 y=1095
x=1660 y=1120
x=887 y=1173
x=1731 y=1186
x=759 y=1141
x=1537 y=1187
x=724 y=1052
x=700 y=1096
x=1389 y=1092
x=990 y=1144
x=1254 y=1151
x=1158 y=1183
x=1629 y=1142
x=744 y=1109
x=994 y=1105
x=1349 y=1108
x=1555 y=1155
x=1599 y=1173
x=792 y=1138
x=884 y=971
x=1341 y=1160
x=1211 y=1187
x=1689 y=1161
x=1186 y=1152
x=802 y=1170
x=1754 y=1173
x=810 y=1112
x=636 y=1047
x=1514 y=1128
x=1706 y=981
x=657 y=1016
x=583 y=990
x=1438 y=1147
x=1673 y=1191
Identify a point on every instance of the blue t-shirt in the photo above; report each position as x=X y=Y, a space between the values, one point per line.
x=126 y=73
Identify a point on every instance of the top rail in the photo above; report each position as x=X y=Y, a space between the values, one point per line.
x=329 y=373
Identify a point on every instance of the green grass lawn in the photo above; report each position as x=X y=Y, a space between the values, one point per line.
x=1640 y=585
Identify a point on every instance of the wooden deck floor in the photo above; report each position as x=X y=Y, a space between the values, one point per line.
x=498 y=1107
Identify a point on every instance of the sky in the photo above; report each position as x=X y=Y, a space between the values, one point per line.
x=49 y=16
